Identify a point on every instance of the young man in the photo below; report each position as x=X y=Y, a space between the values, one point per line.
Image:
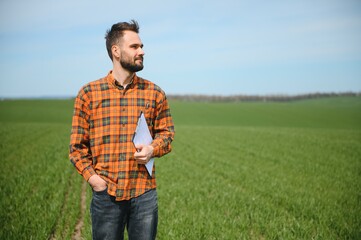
x=101 y=148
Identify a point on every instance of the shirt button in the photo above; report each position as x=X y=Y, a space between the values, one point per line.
x=123 y=109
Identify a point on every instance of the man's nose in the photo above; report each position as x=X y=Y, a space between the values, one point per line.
x=141 y=51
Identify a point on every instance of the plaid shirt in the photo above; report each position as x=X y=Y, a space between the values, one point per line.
x=104 y=120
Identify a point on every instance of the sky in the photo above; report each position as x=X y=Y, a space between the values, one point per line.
x=229 y=47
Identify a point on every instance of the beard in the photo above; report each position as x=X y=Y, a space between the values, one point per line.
x=131 y=65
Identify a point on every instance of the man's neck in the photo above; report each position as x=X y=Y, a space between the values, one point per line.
x=122 y=76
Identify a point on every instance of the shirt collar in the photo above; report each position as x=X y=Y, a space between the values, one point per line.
x=111 y=80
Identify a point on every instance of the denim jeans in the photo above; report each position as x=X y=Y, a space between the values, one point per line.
x=139 y=215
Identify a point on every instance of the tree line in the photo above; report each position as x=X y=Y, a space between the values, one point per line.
x=259 y=98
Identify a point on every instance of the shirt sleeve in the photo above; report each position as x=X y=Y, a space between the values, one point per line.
x=79 y=149
x=163 y=129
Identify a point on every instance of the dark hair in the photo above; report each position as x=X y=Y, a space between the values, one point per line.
x=114 y=34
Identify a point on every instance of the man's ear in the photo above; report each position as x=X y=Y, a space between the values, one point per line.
x=116 y=51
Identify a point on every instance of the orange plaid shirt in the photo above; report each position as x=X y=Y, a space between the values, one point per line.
x=104 y=120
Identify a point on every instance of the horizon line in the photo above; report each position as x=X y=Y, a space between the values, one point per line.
x=188 y=95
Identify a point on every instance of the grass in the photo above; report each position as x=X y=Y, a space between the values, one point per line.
x=255 y=187
x=39 y=192
x=238 y=171
x=35 y=180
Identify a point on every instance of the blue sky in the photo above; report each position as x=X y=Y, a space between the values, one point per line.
x=52 y=48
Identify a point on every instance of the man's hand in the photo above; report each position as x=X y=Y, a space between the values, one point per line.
x=143 y=154
x=97 y=183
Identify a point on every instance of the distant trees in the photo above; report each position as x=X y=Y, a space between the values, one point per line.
x=259 y=98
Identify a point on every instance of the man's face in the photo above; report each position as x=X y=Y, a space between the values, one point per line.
x=131 y=52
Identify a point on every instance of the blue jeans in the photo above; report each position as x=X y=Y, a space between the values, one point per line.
x=109 y=217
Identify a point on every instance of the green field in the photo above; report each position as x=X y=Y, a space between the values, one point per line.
x=256 y=170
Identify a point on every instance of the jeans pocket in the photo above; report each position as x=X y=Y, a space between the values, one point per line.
x=102 y=192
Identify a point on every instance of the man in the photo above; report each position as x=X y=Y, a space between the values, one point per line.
x=101 y=148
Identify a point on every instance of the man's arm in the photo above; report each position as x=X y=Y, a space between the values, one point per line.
x=79 y=149
x=163 y=129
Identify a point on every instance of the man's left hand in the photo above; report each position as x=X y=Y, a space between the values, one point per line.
x=143 y=154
